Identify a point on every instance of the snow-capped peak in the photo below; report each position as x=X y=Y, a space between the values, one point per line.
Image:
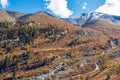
x=86 y=17
x=96 y=15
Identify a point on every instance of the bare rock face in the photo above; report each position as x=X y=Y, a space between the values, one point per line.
x=4 y=16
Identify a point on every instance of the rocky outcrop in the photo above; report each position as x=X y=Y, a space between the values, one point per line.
x=114 y=42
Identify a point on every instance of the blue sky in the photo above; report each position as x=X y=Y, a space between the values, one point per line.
x=25 y=6
x=76 y=6
x=62 y=8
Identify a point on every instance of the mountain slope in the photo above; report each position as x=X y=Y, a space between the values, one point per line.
x=77 y=21
x=103 y=26
x=15 y=14
x=87 y=17
x=44 y=18
x=56 y=50
x=4 y=16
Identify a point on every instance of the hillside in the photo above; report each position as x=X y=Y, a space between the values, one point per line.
x=4 y=16
x=15 y=14
x=41 y=46
x=106 y=27
x=44 y=18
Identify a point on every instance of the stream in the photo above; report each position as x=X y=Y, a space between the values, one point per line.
x=56 y=70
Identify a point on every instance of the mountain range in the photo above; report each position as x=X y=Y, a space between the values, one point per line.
x=95 y=21
x=92 y=20
x=77 y=21
x=40 y=46
x=87 y=17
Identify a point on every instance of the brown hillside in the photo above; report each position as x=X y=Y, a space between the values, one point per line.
x=104 y=26
x=44 y=18
x=33 y=49
x=15 y=14
x=4 y=16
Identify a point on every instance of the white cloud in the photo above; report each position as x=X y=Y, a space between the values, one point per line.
x=84 y=5
x=110 y=7
x=59 y=7
x=4 y=3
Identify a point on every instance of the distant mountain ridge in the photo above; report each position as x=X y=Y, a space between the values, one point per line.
x=40 y=16
x=86 y=17
x=15 y=14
